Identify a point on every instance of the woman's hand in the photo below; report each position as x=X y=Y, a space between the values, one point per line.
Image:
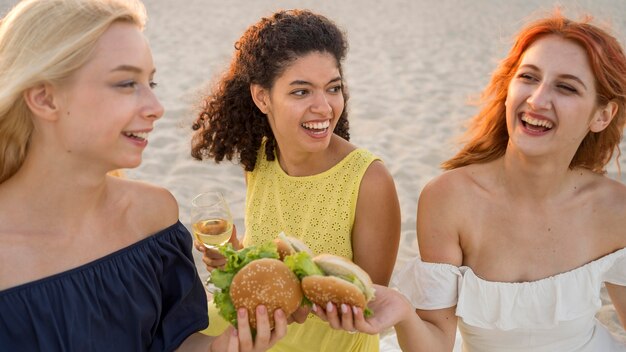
x=212 y=257
x=389 y=306
x=240 y=339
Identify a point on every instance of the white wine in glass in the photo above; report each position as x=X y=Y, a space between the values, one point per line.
x=213 y=232
x=211 y=222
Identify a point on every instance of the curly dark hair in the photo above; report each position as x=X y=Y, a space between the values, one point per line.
x=229 y=123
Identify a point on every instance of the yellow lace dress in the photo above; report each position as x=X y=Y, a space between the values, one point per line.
x=319 y=210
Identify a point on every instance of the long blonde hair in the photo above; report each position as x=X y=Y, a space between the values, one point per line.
x=46 y=41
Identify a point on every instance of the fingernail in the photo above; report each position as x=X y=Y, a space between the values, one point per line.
x=314 y=307
x=344 y=308
x=329 y=307
x=280 y=313
x=242 y=313
x=261 y=310
x=234 y=333
x=355 y=310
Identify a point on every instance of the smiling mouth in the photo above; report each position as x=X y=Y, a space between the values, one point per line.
x=316 y=127
x=140 y=136
x=534 y=124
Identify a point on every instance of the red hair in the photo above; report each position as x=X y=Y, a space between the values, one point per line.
x=488 y=135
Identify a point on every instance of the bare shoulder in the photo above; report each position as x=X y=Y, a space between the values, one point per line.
x=609 y=207
x=454 y=185
x=377 y=189
x=377 y=200
x=377 y=175
x=443 y=204
x=150 y=207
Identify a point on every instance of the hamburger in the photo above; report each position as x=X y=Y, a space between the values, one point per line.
x=331 y=278
x=288 y=245
x=253 y=276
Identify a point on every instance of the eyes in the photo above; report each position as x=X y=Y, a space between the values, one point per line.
x=132 y=84
x=531 y=78
x=302 y=92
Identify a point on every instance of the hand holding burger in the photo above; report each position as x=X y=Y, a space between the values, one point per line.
x=255 y=276
x=330 y=278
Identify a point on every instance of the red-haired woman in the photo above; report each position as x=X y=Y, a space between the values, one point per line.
x=519 y=235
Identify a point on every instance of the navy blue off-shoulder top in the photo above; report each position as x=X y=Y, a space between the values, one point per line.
x=145 y=297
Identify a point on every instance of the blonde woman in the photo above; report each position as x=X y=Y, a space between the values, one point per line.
x=89 y=261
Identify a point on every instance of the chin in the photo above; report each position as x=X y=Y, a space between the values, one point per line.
x=129 y=164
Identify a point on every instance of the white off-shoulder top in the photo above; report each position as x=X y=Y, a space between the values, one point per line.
x=552 y=314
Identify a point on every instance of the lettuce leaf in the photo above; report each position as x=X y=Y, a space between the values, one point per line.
x=302 y=265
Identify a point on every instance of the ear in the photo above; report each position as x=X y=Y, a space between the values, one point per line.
x=261 y=97
x=41 y=100
x=603 y=117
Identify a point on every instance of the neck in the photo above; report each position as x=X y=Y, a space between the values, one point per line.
x=54 y=190
x=538 y=179
x=297 y=163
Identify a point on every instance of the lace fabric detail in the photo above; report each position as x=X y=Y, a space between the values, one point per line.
x=318 y=209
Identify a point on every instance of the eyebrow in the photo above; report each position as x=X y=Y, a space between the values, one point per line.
x=299 y=82
x=565 y=75
x=130 y=68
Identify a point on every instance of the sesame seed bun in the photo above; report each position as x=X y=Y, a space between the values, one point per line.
x=343 y=282
x=268 y=282
x=323 y=289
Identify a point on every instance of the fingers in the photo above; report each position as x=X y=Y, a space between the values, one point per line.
x=332 y=317
x=243 y=327
x=265 y=337
x=359 y=318
x=263 y=331
x=199 y=246
x=347 y=320
x=338 y=317
x=233 y=341
x=317 y=310
x=361 y=324
x=213 y=259
x=233 y=239
x=280 y=326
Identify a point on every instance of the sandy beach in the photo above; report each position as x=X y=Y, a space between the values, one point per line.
x=412 y=68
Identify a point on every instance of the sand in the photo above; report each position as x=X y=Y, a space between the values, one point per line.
x=411 y=69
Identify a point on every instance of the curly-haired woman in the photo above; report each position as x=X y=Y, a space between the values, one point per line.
x=280 y=110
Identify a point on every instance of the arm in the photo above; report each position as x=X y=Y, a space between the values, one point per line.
x=439 y=208
x=376 y=231
x=618 y=298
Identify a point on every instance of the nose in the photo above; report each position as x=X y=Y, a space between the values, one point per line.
x=321 y=104
x=540 y=98
x=152 y=108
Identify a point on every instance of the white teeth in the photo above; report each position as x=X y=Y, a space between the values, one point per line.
x=316 y=125
x=537 y=122
x=138 y=135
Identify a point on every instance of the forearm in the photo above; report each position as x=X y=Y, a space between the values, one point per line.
x=196 y=342
x=417 y=335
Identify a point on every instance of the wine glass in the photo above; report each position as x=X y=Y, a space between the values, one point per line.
x=211 y=222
